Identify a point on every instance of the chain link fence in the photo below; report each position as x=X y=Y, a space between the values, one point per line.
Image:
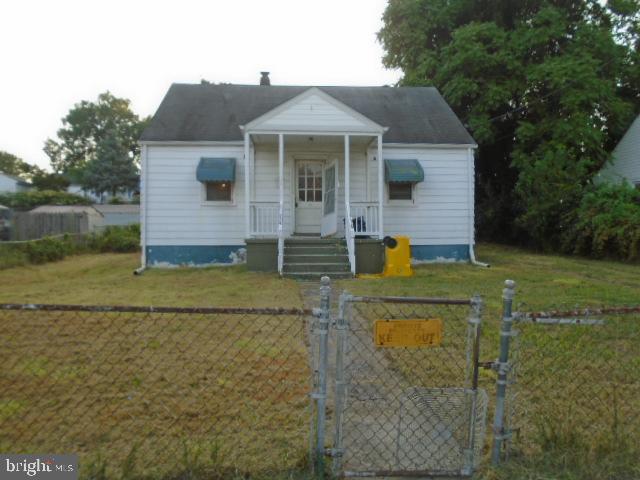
x=572 y=385
x=407 y=410
x=158 y=392
x=255 y=393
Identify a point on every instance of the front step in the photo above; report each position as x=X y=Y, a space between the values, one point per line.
x=314 y=267
x=295 y=258
x=317 y=275
x=311 y=258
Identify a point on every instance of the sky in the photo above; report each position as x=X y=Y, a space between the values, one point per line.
x=54 y=54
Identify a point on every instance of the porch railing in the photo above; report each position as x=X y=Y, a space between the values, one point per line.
x=264 y=218
x=364 y=218
x=350 y=235
x=280 y=237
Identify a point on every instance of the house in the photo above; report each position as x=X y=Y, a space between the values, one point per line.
x=625 y=162
x=11 y=184
x=103 y=198
x=286 y=171
x=125 y=214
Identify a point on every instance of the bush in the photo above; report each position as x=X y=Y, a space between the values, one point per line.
x=34 y=198
x=49 y=249
x=606 y=223
x=119 y=239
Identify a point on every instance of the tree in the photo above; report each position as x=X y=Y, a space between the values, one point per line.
x=546 y=87
x=112 y=169
x=86 y=125
x=12 y=165
x=42 y=180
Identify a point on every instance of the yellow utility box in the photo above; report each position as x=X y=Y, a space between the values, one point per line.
x=397 y=262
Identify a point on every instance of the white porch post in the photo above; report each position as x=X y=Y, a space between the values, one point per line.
x=281 y=203
x=281 y=170
x=347 y=198
x=247 y=184
x=380 y=188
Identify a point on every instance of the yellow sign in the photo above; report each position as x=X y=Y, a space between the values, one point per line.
x=408 y=333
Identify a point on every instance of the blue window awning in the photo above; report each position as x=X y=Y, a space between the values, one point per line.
x=216 y=170
x=403 y=171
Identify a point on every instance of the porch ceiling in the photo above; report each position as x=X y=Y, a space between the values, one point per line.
x=310 y=140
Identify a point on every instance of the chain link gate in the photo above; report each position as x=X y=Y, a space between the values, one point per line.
x=407 y=411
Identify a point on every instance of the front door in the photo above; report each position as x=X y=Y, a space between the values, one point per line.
x=308 y=196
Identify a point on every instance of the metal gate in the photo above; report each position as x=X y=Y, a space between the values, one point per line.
x=406 y=394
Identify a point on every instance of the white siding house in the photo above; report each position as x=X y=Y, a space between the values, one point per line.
x=11 y=184
x=625 y=164
x=222 y=164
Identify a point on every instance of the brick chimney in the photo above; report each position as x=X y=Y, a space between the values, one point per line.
x=264 y=79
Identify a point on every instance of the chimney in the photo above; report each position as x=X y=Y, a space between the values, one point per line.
x=264 y=80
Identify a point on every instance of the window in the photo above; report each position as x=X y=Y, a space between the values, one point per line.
x=218 y=191
x=400 y=191
x=310 y=182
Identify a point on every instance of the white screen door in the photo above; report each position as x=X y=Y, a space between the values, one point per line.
x=330 y=200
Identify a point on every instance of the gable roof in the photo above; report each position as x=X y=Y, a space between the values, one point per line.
x=215 y=112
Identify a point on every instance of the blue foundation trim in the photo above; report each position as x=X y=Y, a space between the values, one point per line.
x=191 y=255
x=440 y=252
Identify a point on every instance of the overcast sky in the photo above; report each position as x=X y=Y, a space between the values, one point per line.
x=56 y=53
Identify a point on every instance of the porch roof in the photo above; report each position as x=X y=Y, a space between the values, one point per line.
x=215 y=112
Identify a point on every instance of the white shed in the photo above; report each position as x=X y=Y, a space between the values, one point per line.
x=225 y=165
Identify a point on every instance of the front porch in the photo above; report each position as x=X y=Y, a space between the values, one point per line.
x=313 y=184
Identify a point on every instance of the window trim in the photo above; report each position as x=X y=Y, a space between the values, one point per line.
x=400 y=203
x=217 y=203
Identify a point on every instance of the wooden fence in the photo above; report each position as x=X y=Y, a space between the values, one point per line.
x=30 y=226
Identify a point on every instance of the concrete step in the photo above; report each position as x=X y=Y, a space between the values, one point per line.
x=327 y=268
x=315 y=276
x=336 y=257
x=313 y=241
x=314 y=250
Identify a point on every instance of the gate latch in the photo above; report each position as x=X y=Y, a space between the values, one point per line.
x=334 y=452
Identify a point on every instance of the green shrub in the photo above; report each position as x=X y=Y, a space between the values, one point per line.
x=34 y=198
x=606 y=223
x=119 y=239
x=49 y=249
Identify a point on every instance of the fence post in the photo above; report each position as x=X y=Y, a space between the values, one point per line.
x=321 y=393
x=475 y=320
x=342 y=326
x=499 y=433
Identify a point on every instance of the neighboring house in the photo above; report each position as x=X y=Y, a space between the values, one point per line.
x=11 y=184
x=127 y=214
x=125 y=195
x=625 y=162
x=226 y=167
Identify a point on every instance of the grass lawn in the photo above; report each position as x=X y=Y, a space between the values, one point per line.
x=155 y=395
x=107 y=279
x=183 y=357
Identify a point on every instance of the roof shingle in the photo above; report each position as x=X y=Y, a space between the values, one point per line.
x=204 y=112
